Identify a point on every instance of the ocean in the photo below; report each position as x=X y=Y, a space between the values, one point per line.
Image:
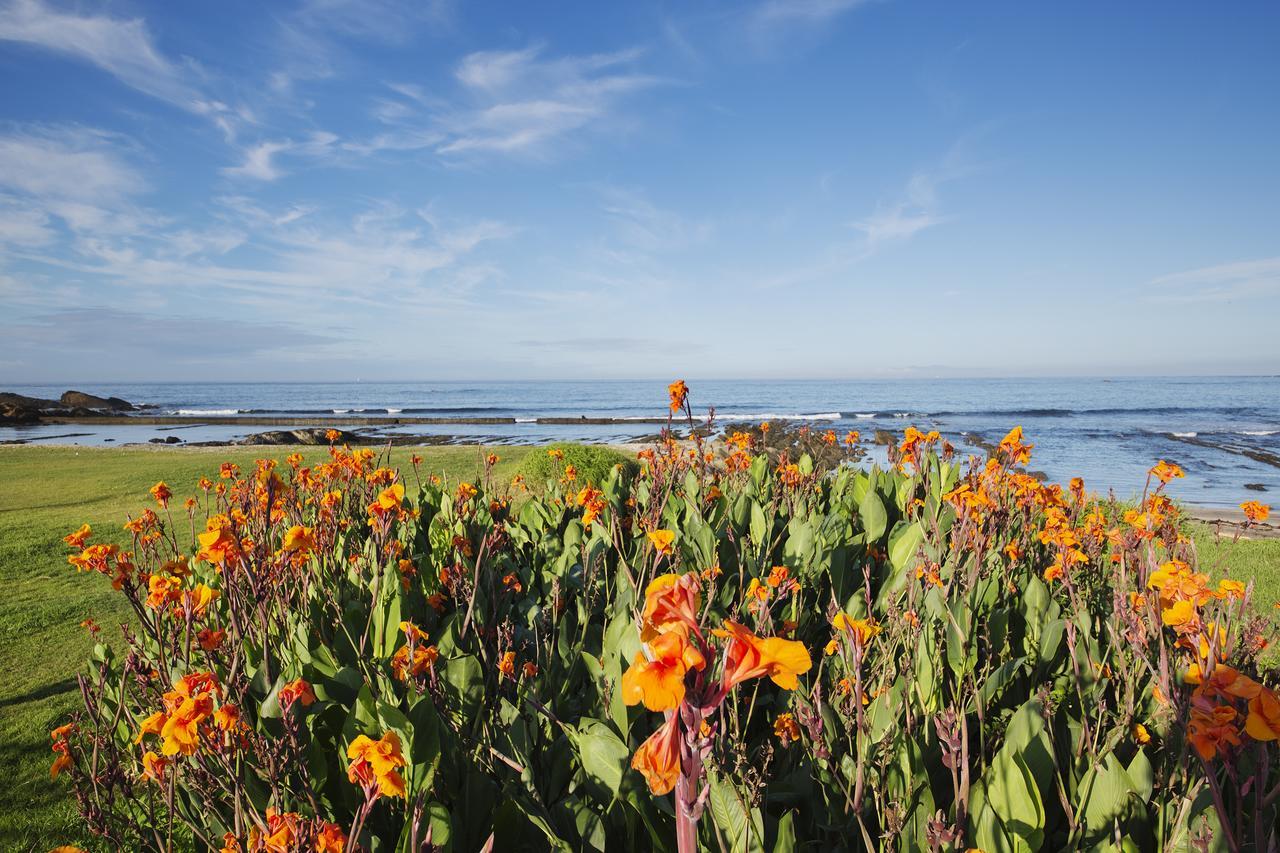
x=1224 y=431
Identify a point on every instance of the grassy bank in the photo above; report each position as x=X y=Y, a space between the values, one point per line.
x=44 y=494
x=47 y=492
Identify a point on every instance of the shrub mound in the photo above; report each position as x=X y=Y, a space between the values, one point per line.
x=721 y=651
x=590 y=463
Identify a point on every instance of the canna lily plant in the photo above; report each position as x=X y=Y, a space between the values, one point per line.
x=671 y=676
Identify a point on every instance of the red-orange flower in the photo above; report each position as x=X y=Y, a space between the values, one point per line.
x=786 y=728
x=298 y=690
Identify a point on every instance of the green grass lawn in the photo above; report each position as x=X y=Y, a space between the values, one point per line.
x=47 y=492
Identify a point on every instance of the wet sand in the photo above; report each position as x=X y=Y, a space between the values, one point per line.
x=1229 y=522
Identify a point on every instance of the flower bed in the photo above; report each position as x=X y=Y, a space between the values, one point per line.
x=730 y=649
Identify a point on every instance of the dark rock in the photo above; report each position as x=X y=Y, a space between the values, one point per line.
x=15 y=413
x=314 y=436
x=1255 y=487
x=168 y=439
x=883 y=436
x=27 y=402
x=79 y=399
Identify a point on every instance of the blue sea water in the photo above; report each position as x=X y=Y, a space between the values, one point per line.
x=1109 y=431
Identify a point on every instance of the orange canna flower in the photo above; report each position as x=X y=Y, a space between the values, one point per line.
x=299 y=539
x=161 y=493
x=423 y=659
x=507 y=664
x=1141 y=735
x=1211 y=731
x=211 y=639
x=375 y=763
x=391 y=497
x=1255 y=511
x=659 y=683
x=1166 y=471
x=76 y=540
x=786 y=728
x=1014 y=448
x=226 y=717
x=153 y=766
x=1263 y=722
x=679 y=392
x=466 y=492
x=298 y=690
x=748 y=656
x=331 y=839
x=658 y=758
x=671 y=603
x=181 y=730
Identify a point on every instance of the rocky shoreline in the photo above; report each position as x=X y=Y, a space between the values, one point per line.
x=16 y=409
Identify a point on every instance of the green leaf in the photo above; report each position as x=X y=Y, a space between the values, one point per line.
x=786 y=841
x=903 y=542
x=759 y=526
x=602 y=753
x=872 y=513
x=743 y=828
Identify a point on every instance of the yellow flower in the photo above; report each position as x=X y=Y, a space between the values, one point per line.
x=663 y=541
x=1140 y=734
x=376 y=763
x=862 y=630
x=1166 y=471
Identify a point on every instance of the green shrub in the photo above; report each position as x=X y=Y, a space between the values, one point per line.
x=591 y=462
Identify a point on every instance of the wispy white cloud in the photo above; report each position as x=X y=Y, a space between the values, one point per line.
x=773 y=13
x=766 y=25
x=67 y=163
x=122 y=47
x=1220 y=283
x=642 y=225
x=22 y=226
x=902 y=220
x=520 y=102
x=260 y=158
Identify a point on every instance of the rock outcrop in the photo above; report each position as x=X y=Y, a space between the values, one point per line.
x=79 y=399
x=316 y=436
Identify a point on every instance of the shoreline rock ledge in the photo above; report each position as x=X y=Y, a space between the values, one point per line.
x=81 y=400
x=18 y=409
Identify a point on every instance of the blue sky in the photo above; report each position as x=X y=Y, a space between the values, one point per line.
x=819 y=188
